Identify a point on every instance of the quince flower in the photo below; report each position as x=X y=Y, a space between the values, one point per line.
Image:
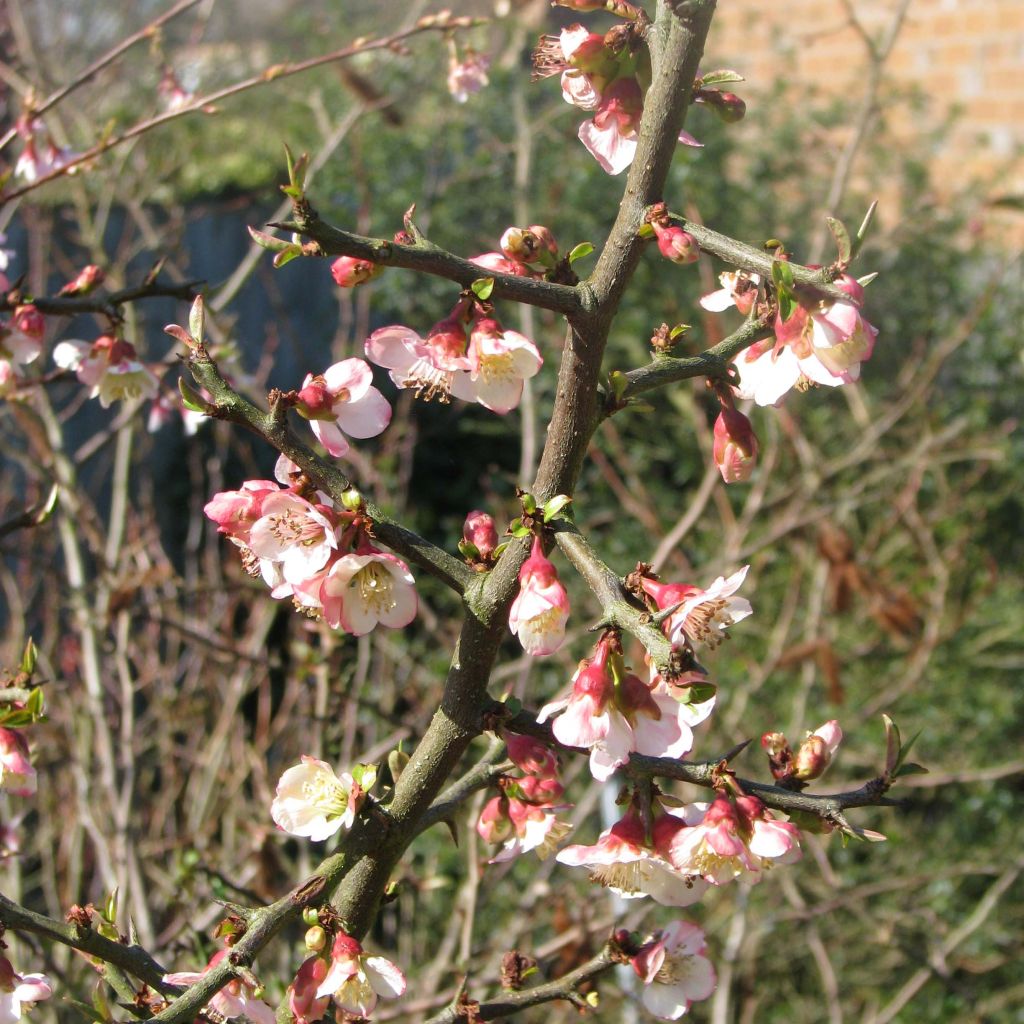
x=356 y=980
x=674 y=970
x=704 y=614
x=313 y=802
x=541 y=608
x=236 y=999
x=367 y=588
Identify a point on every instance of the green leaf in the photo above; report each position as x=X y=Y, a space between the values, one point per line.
x=678 y=330
x=912 y=768
x=271 y=242
x=109 y=911
x=29 y=657
x=786 y=306
x=699 y=692
x=468 y=550
x=617 y=384
x=529 y=502
x=865 y=224
x=554 y=506
x=287 y=255
x=16 y=718
x=190 y=398
x=720 y=76
x=842 y=238
x=482 y=288
x=782 y=276
x=646 y=231
x=34 y=704
x=197 y=319
x=580 y=251
x=500 y=550
x=513 y=704
x=518 y=530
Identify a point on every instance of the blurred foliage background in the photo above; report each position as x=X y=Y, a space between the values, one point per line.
x=883 y=526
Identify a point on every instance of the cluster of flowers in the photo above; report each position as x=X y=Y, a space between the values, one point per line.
x=21 y=342
x=523 y=815
x=40 y=155
x=819 y=343
x=318 y=555
x=601 y=73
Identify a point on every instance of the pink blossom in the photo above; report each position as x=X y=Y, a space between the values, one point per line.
x=295 y=533
x=615 y=713
x=19 y=991
x=739 y=289
x=674 y=970
x=523 y=818
x=236 y=999
x=22 y=338
x=17 y=775
x=356 y=980
x=735 y=446
x=234 y=512
x=499 y=263
x=306 y=1008
x=499 y=362
x=623 y=861
x=109 y=366
x=531 y=756
x=734 y=839
x=85 y=281
x=342 y=400
x=468 y=75
x=430 y=366
x=704 y=614
x=313 y=802
x=824 y=344
x=541 y=608
x=611 y=135
x=367 y=588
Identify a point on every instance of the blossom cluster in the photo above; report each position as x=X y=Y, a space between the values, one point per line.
x=320 y=556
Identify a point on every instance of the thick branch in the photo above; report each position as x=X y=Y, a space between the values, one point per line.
x=428 y=258
x=228 y=405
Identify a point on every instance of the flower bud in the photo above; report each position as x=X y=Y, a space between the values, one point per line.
x=30 y=322
x=520 y=244
x=494 y=825
x=727 y=105
x=735 y=447
x=86 y=280
x=815 y=753
x=348 y=271
x=545 y=237
x=316 y=939
x=675 y=244
x=310 y=916
x=479 y=530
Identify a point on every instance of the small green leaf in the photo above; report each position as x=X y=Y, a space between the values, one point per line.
x=782 y=275
x=34 y=704
x=720 y=76
x=646 y=231
x=500 y=550
x=482 y=288
x=29 y=657
x=287 y=255
x=197 y=319
x=697 y=693
x=190 y=398
x=469 y=551
x=912 y=768
x=865 y=224
x=265 y=241
x=867 y=279
x=580 y=251
x=514 y=705
x=518 y=530
x=110 y=907
x=678 y=330
x=842 y=238
x=553 y=507
x=617 y=384
x=529 y=503
x=16 y=718
x=786 y=306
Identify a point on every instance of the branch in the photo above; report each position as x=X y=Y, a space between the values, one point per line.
x=229 y=405
x=427 y=258
x=492 y=765
x=147 y=32
x=747 y=257
x=712 y=363
x=442 y=22
x=109 y=305
x=618 y=606
x=133 y=959
x=565 y=987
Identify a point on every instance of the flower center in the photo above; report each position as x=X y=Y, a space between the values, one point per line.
x=375 y=588
x=706 y=622
x=428 y=381
x=292 y=528
x=327 y=793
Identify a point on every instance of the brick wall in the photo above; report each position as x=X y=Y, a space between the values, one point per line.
x=959 y=53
